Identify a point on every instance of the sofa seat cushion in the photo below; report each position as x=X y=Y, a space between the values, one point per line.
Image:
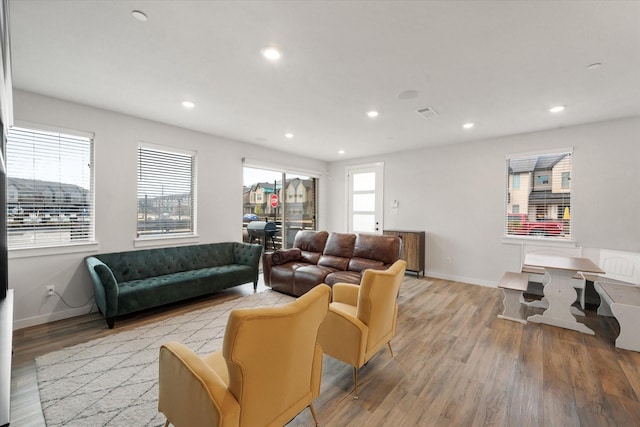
x=335 y=262
x=343 y=277
x=282 y=276
x=154 y=291
x=360 y=264
x=305 y=278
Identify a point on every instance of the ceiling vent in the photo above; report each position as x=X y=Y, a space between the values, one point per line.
x=427 y=112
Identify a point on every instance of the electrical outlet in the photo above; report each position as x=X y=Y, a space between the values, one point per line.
x=51 y=290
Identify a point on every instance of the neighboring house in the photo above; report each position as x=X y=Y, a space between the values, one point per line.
x=300 y=197
x=259 y=195
x=540 y=186
x=174 y=206
x=35 y=197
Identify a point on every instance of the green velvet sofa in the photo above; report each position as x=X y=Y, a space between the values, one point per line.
x=126 y=282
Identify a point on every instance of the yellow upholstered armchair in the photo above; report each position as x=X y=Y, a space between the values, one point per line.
x=362 y=319
x=268 y=370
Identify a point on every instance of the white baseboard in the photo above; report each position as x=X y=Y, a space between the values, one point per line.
x=52 y=317
x=469 y=280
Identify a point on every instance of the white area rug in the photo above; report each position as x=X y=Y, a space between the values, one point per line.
x=113 y=381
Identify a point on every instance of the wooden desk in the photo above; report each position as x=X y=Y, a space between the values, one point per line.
x=559 y=292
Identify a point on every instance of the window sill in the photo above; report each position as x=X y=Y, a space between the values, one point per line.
x=539 y=241
x=54 y=250
x=148 y=242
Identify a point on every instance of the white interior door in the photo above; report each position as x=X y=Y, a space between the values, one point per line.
x=365 y=198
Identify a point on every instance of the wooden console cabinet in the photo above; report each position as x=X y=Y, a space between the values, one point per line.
x=412 y=248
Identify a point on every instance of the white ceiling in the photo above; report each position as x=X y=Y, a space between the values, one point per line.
x=500 y=64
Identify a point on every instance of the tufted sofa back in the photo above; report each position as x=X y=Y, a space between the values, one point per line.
x=142 y=264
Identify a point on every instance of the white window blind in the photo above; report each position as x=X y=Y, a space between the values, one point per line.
x=49 y=188
x=538 y=201
x=166 y=194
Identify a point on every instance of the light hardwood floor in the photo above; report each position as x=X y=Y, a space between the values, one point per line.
x=455 y=364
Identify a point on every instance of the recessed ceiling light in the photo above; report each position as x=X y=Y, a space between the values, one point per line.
x=340 y=151
x=188 y=104
x=288 y=135
x=468 y=125
x=556 y=109
x=271 y=53
x=372 y=113
x=140 y=16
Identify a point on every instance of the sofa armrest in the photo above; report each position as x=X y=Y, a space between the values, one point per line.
x=247 y=254
x=343 y=337
x=105 y=286
x=283 y=256
x=346 y=293
x=191 y=392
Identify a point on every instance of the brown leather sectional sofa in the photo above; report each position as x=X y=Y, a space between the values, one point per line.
x=322 y=257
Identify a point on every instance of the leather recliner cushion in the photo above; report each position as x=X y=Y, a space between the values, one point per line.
x=310 y=241
x=283 y=256
x=359 y=264
x=335 y=262
x=308 y=276
x=377 y=247
x=338 y=250
x=343 y=277
x=282 y=276
x=340 y=245
x=310 y=257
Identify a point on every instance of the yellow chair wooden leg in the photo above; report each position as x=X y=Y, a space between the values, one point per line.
x=391 y=350
x=355 y=383
x=313 y=414
x=166 y=423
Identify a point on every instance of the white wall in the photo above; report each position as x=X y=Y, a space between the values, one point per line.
x=116 y=141
x=456 y=194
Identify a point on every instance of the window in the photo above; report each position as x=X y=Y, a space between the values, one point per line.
x=49 y=188
x=166 y=192
x=538 y=202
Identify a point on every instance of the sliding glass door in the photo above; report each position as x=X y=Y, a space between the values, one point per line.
x=270 y=197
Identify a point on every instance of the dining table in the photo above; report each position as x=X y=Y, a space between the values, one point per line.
x=559 y=292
